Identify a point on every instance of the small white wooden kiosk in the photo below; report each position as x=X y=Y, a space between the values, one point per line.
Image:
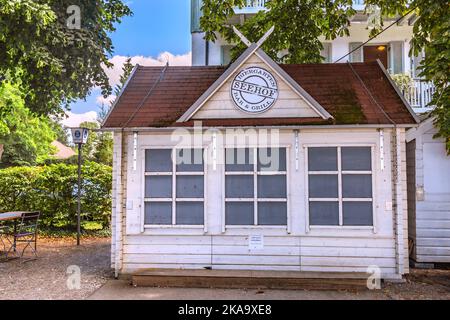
x=260 y=166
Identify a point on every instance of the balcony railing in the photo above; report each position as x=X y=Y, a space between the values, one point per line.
x=253 y=6
x=419 y=95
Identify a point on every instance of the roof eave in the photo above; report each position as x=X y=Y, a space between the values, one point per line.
x=290 y=127
x=216 y=85
x=116 y=101
x=402 y=97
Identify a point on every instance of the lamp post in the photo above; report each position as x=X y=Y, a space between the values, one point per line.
x=79 y=137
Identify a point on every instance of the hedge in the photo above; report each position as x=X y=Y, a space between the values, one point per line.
x=52 y=190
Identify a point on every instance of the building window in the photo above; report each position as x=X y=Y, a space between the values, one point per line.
x=174 y=190
x=396 y=54
x=340 y=186
x=255 y=187
x=326 y=52
x=356 y=55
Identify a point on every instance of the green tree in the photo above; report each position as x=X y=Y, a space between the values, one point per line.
x=298 y=26
x=99 y=147
x=299 y=23
x=89 y=148
x=60 y=131
x=431 y=35
x=25 y=138
x=42 y=48
x=104 y=150
x=126 y=72
x=104 y=144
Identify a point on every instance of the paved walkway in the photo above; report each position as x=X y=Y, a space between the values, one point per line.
x=121 y=289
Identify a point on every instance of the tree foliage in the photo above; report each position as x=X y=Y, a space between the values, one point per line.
x=432 y=36
x=299 y=23
x=52 y=190
x=54 y=62
x=99 y=147
x=26 y=138
x=298 y=26
x=126 y=72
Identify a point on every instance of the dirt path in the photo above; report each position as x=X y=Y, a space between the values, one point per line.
x=46 y=278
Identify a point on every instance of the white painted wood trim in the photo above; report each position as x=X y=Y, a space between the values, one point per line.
x=218 y=83
x=255 y=173
x=340 y=173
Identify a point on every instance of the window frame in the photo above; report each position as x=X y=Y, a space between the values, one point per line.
x=328 y=49
x=173 y=200
x=340 y=198
x=255 y=200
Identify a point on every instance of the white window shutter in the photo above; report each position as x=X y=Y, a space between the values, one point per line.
x=396 y=54
x=356 y=56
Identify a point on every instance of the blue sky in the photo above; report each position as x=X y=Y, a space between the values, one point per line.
x=157 y=26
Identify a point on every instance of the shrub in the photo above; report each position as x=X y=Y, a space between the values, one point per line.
x=52 y=190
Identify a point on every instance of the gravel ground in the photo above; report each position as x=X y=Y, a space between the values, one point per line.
x=421 y=285
x=46 y=279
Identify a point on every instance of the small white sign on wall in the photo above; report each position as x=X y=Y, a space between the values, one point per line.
x=256 y=242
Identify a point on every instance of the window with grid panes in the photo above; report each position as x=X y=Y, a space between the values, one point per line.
x=255 y=187
x=174 y=187
x=340 y=186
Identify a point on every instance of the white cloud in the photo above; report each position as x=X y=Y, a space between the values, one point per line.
x=118 y=61
x=106 y=101
x=73 y=120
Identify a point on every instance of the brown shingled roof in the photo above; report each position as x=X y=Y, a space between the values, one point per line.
x=359 y=93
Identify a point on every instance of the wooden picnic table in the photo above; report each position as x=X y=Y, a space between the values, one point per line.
x=12 y=216
x=8 y=216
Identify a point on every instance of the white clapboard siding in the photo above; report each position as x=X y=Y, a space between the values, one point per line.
x=316 y=249
x=347 y=252
x=166 y=249
x=431 y=242
x=257 y=267
x=169 y=258
x=432 y=224
x=132 y=267
x=167 y=239
x=348 y=242
x=432 y=258
x=278 y=253
x=433 y=250
x=433 y=232
x=256 y=260
x=267 y=250
x=237 y=240
x=347 y=262
x=386 y=273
